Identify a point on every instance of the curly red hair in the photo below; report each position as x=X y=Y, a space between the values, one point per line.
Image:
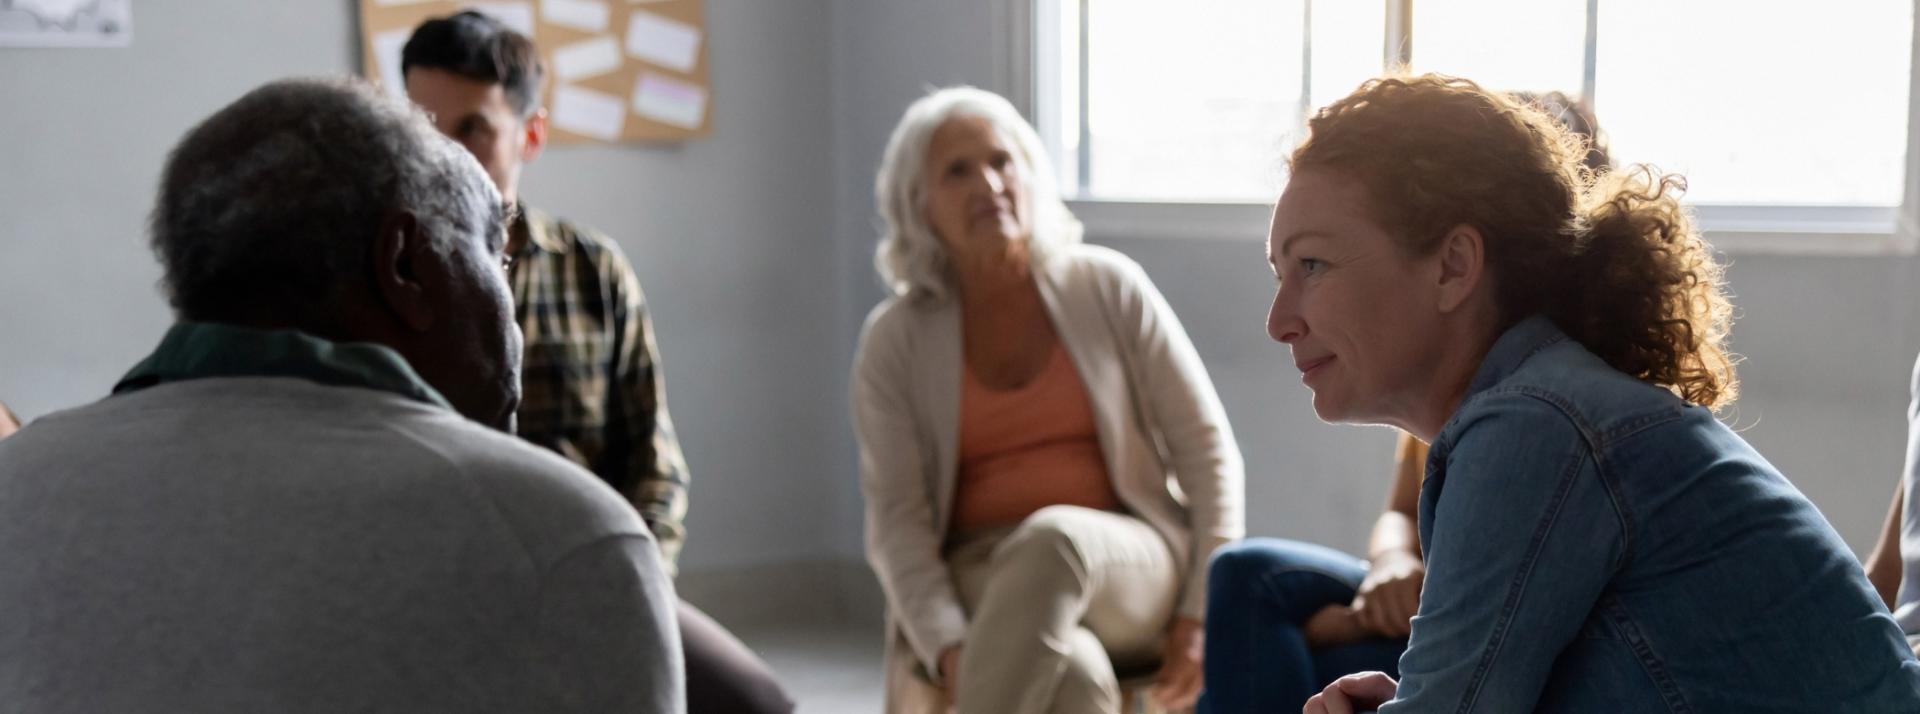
x=1613 y=259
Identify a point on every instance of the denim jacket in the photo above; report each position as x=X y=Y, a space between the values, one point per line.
x=1596 y=544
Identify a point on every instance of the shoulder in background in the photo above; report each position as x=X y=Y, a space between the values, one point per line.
x=8 y=422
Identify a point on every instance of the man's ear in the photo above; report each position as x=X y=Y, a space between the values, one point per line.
x=400 y=258
x=1463 y=262
x=536 y=138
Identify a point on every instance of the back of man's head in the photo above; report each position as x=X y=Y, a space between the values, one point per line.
x=269 y=207
x=478 y=47
x=325 y=207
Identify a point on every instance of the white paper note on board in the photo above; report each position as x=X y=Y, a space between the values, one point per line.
x=583 y=15
x=588 y=113
x=670 y=101
x=599 y=55
x=516 y=15
x=663 y=41
x=66 y=23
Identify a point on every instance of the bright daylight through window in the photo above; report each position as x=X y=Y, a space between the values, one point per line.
x=1799 y=106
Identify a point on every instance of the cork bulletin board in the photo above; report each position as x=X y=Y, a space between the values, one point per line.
x=617 y=70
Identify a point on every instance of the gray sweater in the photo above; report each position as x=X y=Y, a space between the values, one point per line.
x=273 y=545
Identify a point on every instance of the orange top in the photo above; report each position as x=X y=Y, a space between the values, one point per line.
x=1027 y=448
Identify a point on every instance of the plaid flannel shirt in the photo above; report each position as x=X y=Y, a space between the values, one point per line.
x=591 y=384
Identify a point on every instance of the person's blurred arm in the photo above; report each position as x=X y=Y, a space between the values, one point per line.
x=1180 y=401
x=1887 y=564
x=638 y=424
x=1389 y=596
x=903 y=541
x=1884 y=566
x=1396 y=531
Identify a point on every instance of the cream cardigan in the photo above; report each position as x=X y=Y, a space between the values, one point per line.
x=1162 y=431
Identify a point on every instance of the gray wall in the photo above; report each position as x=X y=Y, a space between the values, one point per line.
x=726 y=234
x=886 y=54
x=755 y=248
x=1830 y=342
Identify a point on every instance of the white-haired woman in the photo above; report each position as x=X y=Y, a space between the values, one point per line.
x=1046 y=466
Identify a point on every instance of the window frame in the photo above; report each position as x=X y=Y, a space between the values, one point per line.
x=1027 y=66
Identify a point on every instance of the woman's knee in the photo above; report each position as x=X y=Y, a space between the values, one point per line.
x=1260 y=556
x=1050 y=535
x=1236 y=563
x=1285 y=573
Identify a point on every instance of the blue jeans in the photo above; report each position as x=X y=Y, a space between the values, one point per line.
x=1259 y=593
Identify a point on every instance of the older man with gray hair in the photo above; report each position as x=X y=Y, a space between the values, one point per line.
x=289 y=505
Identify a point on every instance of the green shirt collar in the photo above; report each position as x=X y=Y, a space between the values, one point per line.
x=199 y=350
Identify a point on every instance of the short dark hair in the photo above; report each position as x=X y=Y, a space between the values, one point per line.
x=270 y=206
x=478 y=47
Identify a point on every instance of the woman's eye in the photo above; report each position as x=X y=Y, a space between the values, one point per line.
x=1311 y=266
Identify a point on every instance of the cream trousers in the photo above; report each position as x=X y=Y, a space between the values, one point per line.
x=1054 y=605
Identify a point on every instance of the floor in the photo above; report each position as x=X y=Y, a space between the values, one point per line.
x=828 y=667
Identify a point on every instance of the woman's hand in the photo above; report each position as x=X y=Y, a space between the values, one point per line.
x=1178 y=684
x=1333 y=625
x=1352 y=693
x=1390 y=595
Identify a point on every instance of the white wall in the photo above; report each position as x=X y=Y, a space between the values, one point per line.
x=731 y=236
x=1830 y=342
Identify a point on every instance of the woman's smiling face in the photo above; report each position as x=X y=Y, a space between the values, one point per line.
x=1361 y=314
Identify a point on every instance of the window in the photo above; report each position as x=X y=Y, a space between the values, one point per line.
x=1790 y=104
x=1196 y=101
x=1783 y=118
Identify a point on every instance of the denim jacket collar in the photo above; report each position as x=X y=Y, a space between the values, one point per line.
x=1514 y=346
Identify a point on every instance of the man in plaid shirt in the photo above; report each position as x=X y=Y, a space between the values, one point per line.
x=592 y=388
x=591 y=378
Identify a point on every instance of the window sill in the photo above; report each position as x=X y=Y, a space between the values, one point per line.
x=1734 y=231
